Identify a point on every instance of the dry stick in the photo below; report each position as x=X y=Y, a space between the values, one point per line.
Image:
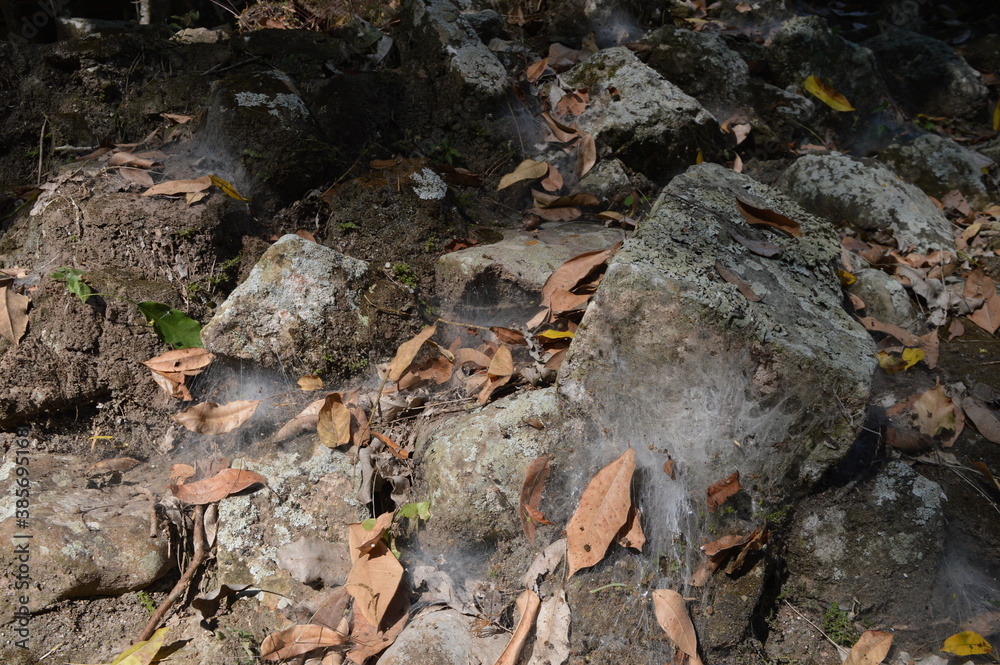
x=184 y=581
x=41 y=149
x=841 y=651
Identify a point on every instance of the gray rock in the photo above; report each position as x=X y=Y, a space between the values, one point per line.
x=927 y=76
x=606 y=180
x=499 y=283
x=442 y=636
x=473 y=466
x=670 y=356
x=887 y=300
x=650 y=124
x=878 y=543
x=938 y=165
x=281 y=315
x=870 y=197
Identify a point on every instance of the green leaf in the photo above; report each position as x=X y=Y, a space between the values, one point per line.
x=421 y=510
x=368 y=524
x=172 y=325
x=74 y=282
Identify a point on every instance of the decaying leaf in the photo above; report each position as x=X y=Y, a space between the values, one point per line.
x=365 y=535
x=310 y=382
x=509 y=336
x=967 y=643
x=172 y=187
x=13 y=314
x=575 y=271
x=672 y=615
x=190 y=362
x=142 y=653
x=212 y=418
x=529 y=169
x=553 y=181
x=985 y=419
x=531 y=493
x=736 y=281
x=631 y=534
x=765 y=249
x=397 y=450
x=552 y=631
x=536 y=69
x=502 y=363
x=601 y=513
x=586 y=155
x=369 y=640
x=373 y=581
x=120 y=464
x=870 y=649
x=527 y=604
x=826 y=94
x=218 y=487
x=407 y=351
x=306 y=420
x=770 y=218
x=128 y=159
x=298 y=640
x=334 y=422
x=934 y=411
x=722 y=490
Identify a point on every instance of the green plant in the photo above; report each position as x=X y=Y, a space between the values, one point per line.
x=404 y=275
x=838 y=626
x=187 y=233
x=431 y=245
x=224 y=269
x=147 y=601
x=356 y=365
x=347 y=226
x=184 y=21
x=447 y=153
x=252 y=154
x=31 y=152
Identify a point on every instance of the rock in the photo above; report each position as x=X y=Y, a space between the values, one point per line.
x=607 y=180
x=695 y=370
x=877 y=544
x=870 y=197
x=442 y=636
x=84 y=542
x=887 y=300
x=938 y=165
x=649 y=124
x=983 y=53
x=474 y=464
x=498 y=284
x=281 y=315
x=927 y=76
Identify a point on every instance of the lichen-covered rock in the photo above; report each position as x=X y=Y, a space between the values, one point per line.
x=286 y=310
x=938 y=165
x=504 y=278
x=925 y=75
x=887 y=300
x=443 y=637
x=672 y=359
x=636 y=115
x=870 y=197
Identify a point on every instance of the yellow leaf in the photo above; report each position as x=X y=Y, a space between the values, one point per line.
x=846 y=278
x=966 y=643
x=555 y=334
x=227 y=188
x=699 y=158
x=143 y=652
x=911 y=357
x=529 y=169
x=826 y=94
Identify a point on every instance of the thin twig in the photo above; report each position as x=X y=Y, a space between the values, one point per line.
x=386 y=310
x=184 y=581
x=463 y=325
x=840 y=650
x=41 y=149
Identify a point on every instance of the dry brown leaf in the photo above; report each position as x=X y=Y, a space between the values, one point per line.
x=334 y=422
x=212 y=418
x=368 y=640
x=397 y=450
x=306 y=420
x=13 y=314
x=556 y=214
x=565 y=301
x=908 y=440
x=136 y=176
x=529 y=169
x=373 y=581
x=407 y=351
x=586 y=155
x=437 y=369
x=298 y=640
x=128 y=159
x=573 y=103
x=218 y=487
x=362 y=540
x=552 y=631
x=672 y=615
x=631 y=535
x=561 y=132
x=467 y=355
x=172 y=187
x=771 y=218
x=179 y=473
x=755 y=542
x=603 y=509
x=553 y=181
x=527 y=604
x=190 y=362
x=310 y=382
x=502 y=363
x=934 y=411
x=509 y=336
x=536 y=70
x=575 y=271
x=722 y=490
x=986 y=420
x=531 y=494
x=736 y=281
x=955 y=329
x=765 y=249
x=550 y=201
x=490 y=385
x=177 y=117
x=870 y=649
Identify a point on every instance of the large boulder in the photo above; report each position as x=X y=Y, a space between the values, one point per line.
x=870 y=197
x=938 y=165
x=671 y=359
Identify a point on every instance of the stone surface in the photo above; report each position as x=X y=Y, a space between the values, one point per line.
x=473 y=466
x=498 y=284
x=443 y=636
x=938 y=165
x=872 y=197
x=927 y=76
x=887 y=300
x=670 y=356
x=877 y=544
x=650 y=124
x=282 y=314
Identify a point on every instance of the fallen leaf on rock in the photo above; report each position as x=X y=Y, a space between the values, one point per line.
x=218 y=487
x=454 y=175
x=766 y=217
x=368 y=640
x=668 y=468
x=966 y=643
x=575 y=271
x=509 y=336
x=987 y=421
x=490 y=385
x=545 y=563
x=531 y=493
x=334 y=422
x=179 y=473
x=364 y=536
x=934 y=411
x=190 y=362
x=407 y=351
x=827 y=94
x=306 y=420
x=603 y=510
x=573 y=103
x=755 y=542
x=13 y=314
x=870 y=649
x=502 y=363
x=212 y=418
x=548 y=201
x=536 y=69
x=561 y=132
x=734 y=279
x=298 y=640
x=373 y=581
x=136 y=176
x=142 y=653
x=177 y=117
x=128 y=159
x=586 y=155
x=910 y=441
x=529 y=169
x=765 y=249
x=310 y=382
x=527 y=604
x=722 y=490
x=456 y=244
x=172 y=187
x=553 y=181
x=631 y=534
x=552 y=631
x=672 y=615
x=193 y=197
x=172 y=383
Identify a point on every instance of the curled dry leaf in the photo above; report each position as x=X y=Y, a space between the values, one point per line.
x=373 y=581
x=298 y=640
x=172 y=187
x=531 y=494
x=128 y=159
x=870 y=649
x=601 y=513
x=136 y=176
x=986 y=420
x=527 y=604
x=218 y=487
x=305 y=421
x=502 y=363
x=722 y=490
x=672 y=615
x=397 y=450
x=529 y=169
x=934 y=411
x=363 y=536
x=369 y=640
x=212 y=418
x=553 y=181
x=407 y=351
x=333 y=424
x=827 y=94
x=631 y=535
x=536 y=70
x=766 y=217
x=586 y=155
x=172 y=384
x=575 y=272
x=561 y=132
x=310 y=382
x=190 y=362
x=13 y=314
x=548 y=201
